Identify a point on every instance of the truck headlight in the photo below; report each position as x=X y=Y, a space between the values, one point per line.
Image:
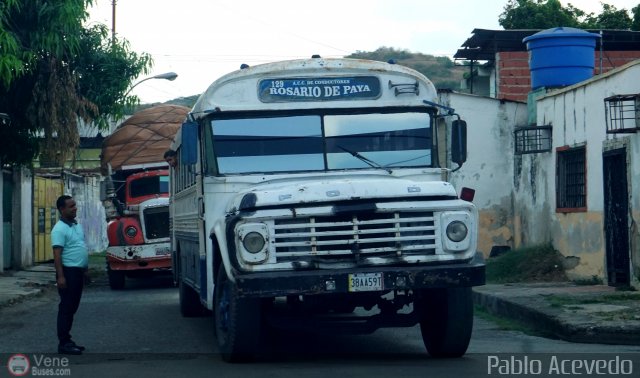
x=457 y=231
x=253 y=242
x=131 y=231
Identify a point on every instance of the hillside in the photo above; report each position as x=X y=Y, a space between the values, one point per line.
x=442 y=71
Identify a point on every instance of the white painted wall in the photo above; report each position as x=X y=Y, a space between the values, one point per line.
x=91 y=214
x=577 y=114
x=22 y=218
x=489 y=166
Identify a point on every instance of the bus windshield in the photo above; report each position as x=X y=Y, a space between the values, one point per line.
x=322 y=142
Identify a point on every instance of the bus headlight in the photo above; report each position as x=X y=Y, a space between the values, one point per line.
x=457 y=231
x=253 y=242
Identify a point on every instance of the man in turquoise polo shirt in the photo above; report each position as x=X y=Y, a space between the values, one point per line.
x=71 y=262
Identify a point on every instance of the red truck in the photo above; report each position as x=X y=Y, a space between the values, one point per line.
x=136 y=193
x=139 y=234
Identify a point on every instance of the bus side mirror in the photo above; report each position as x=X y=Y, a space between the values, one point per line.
x=189 y=144
x=459 y=142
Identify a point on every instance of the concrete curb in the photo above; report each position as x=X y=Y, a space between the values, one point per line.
x=17 y=286
x=570 y=323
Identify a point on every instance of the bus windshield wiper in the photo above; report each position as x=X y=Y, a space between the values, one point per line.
x=369 y=162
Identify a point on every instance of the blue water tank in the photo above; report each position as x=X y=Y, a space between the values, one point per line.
x=560 y=56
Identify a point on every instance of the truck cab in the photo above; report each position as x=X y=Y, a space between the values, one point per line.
x=139 y=233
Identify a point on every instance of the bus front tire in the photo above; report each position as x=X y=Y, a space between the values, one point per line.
x=237 y=321
x=446 y=321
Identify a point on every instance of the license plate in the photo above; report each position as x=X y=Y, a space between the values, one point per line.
x=366 y=282
x=162 y=251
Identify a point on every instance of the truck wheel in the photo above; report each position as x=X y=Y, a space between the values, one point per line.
x=189 y=301
x=116 y=279
x=446 y=320
x=237 y=320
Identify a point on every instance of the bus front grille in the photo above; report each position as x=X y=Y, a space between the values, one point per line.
x=360 y=235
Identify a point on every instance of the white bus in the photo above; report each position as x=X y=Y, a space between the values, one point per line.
x=315 y=191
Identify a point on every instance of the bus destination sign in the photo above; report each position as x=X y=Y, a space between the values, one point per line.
x=319 y=89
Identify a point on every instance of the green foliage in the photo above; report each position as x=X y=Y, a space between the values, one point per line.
x=53 y=72
x=635 y=24
x=383 y=54
x=544 y=14
x=11 y=63
x=537 y=263
x=610 y=18
x=105 y=69
x=537 y=14
x=593 y=280
x=439 y=69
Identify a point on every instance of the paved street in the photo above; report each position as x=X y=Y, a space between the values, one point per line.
x=139 y=332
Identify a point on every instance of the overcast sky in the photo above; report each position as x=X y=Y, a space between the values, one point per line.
x=202 y=40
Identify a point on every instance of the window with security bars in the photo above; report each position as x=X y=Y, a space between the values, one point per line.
x=531 y=140
x=622 y=113
x=571 y=182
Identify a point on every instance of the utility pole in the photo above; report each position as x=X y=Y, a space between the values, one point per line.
x=113 y=21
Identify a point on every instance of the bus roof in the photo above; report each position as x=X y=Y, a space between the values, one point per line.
x=316 y=83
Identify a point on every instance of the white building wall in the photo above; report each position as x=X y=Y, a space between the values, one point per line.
x=91 y=215
x=489 y=167
x=577 y=115
x=22 y=218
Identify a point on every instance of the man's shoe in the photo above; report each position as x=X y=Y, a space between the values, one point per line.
x=69 y=348
x=77 y=346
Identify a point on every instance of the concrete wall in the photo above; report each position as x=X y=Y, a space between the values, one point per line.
x=489 y=166
x=577 y=115
x=86 y=192
x=2 y=267
x=633 y=161
x=22 y=218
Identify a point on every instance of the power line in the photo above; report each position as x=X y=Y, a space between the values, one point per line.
x=245 y=15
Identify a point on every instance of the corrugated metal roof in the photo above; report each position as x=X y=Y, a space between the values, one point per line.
x=485 y=43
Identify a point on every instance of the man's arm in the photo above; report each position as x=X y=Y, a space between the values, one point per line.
x=57 y=262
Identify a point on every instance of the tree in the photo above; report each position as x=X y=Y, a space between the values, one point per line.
x=53 y=72
x=537 y=14
x=11 y=62
x=544 y=14
x=610 y=18
x=106 y=69
x=635 y=24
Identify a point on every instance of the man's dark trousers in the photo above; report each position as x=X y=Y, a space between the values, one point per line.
x=69 y=301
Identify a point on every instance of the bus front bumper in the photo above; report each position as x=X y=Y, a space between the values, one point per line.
x=311 y=282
